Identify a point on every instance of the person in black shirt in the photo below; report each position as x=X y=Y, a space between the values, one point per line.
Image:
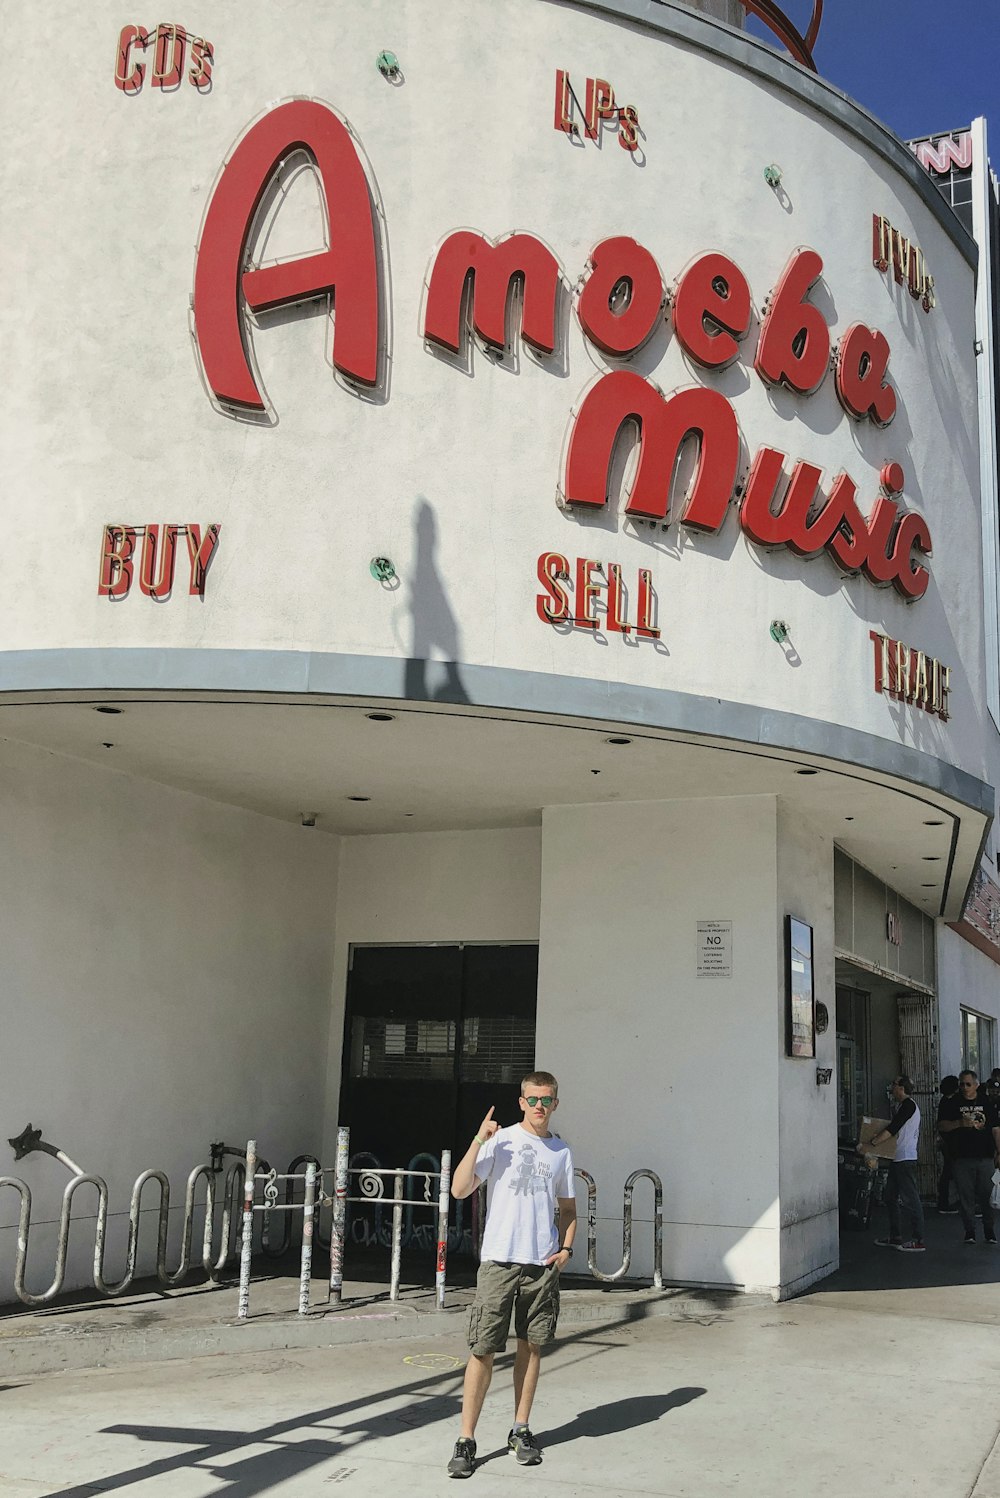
x=946 y=1144
x=972 y=1120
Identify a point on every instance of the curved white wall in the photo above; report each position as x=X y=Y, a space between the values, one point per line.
x=453 y=473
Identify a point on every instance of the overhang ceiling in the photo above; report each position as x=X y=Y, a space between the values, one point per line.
x=363 y=767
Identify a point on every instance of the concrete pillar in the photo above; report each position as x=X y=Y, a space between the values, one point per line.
x=687 y=1075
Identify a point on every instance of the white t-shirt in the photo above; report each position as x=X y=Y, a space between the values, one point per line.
x=527 y=1175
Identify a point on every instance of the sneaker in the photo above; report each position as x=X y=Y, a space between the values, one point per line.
x=947 y=1211
x=970 y=1237
x=888 y=1242
x=913 y=1246
x=990 y=1241
x=524 y=1446
x=463 y=1462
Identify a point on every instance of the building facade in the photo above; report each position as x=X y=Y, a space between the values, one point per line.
x=958 y=163
x=494 y=579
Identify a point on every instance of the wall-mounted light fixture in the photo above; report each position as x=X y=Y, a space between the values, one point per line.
x=778 y=631
x=381 y=569
x=823 y=1075
x=388 y=65
x=772 y=175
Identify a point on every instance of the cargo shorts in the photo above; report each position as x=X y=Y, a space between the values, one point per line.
x=530 y=1291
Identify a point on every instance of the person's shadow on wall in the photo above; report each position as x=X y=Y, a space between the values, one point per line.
x=434 y=625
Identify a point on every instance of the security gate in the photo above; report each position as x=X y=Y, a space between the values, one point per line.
x=433 y=1036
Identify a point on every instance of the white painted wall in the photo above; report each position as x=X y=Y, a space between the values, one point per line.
x=458 y=475
x=623 y=887
x=166 y=972
x=967 y=978
x=807 y=1112
x=428 y=887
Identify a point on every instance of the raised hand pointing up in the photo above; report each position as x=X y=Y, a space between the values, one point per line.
x=488 y=1127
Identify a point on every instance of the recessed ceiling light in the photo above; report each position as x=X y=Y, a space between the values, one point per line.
x=618 y=740
x=595 y=772
x=107 y=746
x=932 y=823
x=807 y=772
x=408 y=813
x=848 y=819
x=380 y=717
x=113 y=712
x=928 y=886
x=359 y=798
x=931 y=858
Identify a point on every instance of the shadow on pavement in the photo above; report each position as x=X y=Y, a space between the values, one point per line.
x=623 y=1414
x=295 y=1449
x=948 y=1260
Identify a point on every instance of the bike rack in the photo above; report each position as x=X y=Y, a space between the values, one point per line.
x=30 y=1141
x=622 y=1270
x=367 y=1182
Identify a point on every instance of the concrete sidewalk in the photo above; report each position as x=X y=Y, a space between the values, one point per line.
x=884 y=1380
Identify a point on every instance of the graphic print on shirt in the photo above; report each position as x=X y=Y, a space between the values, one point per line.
x=532 y=1174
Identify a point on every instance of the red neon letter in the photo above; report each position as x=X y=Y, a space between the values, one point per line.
x=552 y=605
x=621 y=265
x=862 y=366
x=664 y=424
x=348 y=268
x=129 y=79
x=794 y=347
x=712 y=310
x=201 y=553
x=202 y=58
x=791 y=526
x=909 y=578
x=157 y=581
x=117 y=546
x=492 y=267
x=168 y=74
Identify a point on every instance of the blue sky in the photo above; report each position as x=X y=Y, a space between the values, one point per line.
x=920 y=65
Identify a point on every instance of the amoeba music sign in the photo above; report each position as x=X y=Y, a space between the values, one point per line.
x=784 y=500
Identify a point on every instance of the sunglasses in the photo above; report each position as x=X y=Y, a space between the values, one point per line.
x=546 y=1102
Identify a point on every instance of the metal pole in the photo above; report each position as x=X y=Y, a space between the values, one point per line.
x=397 y=1233
x=246 y=1247
x=308 y=1219
x=442 y=1239
x=338 y=1226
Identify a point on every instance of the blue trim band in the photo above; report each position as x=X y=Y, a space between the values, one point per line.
x=45 y=675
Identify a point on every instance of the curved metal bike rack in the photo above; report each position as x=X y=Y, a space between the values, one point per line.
x=622 y=1270
x=213 y=1266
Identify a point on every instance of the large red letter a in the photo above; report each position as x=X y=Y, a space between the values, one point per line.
x=348 y=268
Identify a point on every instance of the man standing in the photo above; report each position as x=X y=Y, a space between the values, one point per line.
x=972 y=1119
x=532 y=1171
x=901 y=1194
x=946 y=1144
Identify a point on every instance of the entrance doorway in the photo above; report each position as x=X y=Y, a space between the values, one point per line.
x=434 y=1035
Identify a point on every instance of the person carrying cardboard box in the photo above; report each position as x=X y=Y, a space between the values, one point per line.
x=901 y=1195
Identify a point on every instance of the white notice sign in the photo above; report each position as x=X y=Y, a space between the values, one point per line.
x=715 y=949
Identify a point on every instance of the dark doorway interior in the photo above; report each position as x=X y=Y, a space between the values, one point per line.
x=433 y=1036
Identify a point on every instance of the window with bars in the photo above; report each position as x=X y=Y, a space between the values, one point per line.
x=978 y=1043
x=401 y=1050
x=497 y=1048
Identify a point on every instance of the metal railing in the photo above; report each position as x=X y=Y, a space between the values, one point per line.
x=352 y=1184
x=371 y=1182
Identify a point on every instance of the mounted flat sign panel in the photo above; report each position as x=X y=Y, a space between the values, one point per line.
x=715 y=949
